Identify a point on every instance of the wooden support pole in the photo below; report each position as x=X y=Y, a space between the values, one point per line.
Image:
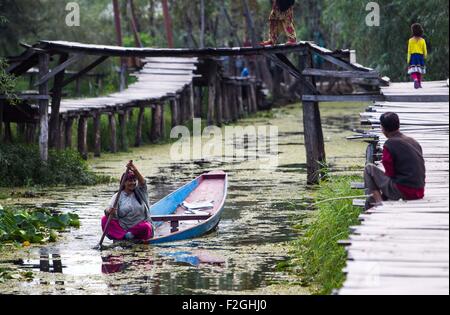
x=30 y=134
x=219 y=104
x=44 y=60
x=198 y=101
x=82 y=137
x=191 y=101
x=163 y=123
x=225 y=102
x=211 y=100
x=140 y=122
x=182 y=107
x=156 y=123
x=240 y=101
x=234 y=102
x=8 y=133
x=97 y=135
x=68 y=132
x=112 y=132
x=175 y=111
x=314 y=141
x=62 y=137
x=123 y=141
x=54 y=136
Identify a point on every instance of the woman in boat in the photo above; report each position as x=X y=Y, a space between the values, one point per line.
x=131 y=220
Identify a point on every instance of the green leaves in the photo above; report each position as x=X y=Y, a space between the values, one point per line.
x=34 y=226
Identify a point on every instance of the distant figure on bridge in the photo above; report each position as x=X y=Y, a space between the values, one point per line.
x=417 y=53
x=404 y=176
x=281 y=19
x=245 y=73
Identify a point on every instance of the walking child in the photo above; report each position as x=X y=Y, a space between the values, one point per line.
x=417 y=53
x=281 y=19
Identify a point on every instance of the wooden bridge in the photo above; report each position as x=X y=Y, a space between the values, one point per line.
x=169 y=76
x=403 y=247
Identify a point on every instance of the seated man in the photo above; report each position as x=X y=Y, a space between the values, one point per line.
x=404 y=176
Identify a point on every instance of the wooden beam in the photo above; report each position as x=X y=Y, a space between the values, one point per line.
x=97 y=62
x=61 y=67
x=340 y=74
x=343 y=98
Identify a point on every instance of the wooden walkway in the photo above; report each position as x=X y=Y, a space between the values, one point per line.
x=160 y=79
x=403 y=247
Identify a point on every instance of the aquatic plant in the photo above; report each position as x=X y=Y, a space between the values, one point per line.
x=33 y=226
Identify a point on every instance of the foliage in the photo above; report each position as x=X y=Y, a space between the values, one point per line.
x=33 y=226
x=7 y=83
x=317 y=256
x=385 y=47
x=21 y=165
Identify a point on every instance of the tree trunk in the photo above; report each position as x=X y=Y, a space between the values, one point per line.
x=167 y=23
x=118 y=26
x=202 y=24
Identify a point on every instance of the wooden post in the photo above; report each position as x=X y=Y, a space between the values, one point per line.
x=240 y=100
x=31 y=133
x=211 y=100
x=226 y=102
x=112 y=132
x=44 y=60
x=56 y=102
x=191 y=101
x=198 y=101
x=163 y=122
x=140 y=122
x=68 y=132
x=182 y=107
x=234 y=104
x=156 y=123
x=61 y=136
x=8 y=134
x=123 y=141
x=175 y=113
x=314 y=141
x=219 y=105
x=97 y=135
x=82 y=137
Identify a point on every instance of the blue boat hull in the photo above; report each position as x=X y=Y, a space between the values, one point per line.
x=170 y=204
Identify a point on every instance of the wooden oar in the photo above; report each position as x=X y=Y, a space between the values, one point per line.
x=116 y=202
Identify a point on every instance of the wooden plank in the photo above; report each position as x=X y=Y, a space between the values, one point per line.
x=340 y=74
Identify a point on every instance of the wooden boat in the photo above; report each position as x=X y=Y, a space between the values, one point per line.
x=174 y=222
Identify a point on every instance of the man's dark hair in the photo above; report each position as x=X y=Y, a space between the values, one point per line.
x=417 y=30
x=390 y=122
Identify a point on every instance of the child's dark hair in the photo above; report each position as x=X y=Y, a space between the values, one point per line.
x=417 y=30
x=390 y=122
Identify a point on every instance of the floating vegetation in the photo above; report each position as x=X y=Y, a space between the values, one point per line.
x=33 y=226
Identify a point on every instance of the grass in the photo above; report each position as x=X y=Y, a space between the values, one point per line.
x=316 y=256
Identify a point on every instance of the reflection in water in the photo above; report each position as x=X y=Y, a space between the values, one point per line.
x=240 y=256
